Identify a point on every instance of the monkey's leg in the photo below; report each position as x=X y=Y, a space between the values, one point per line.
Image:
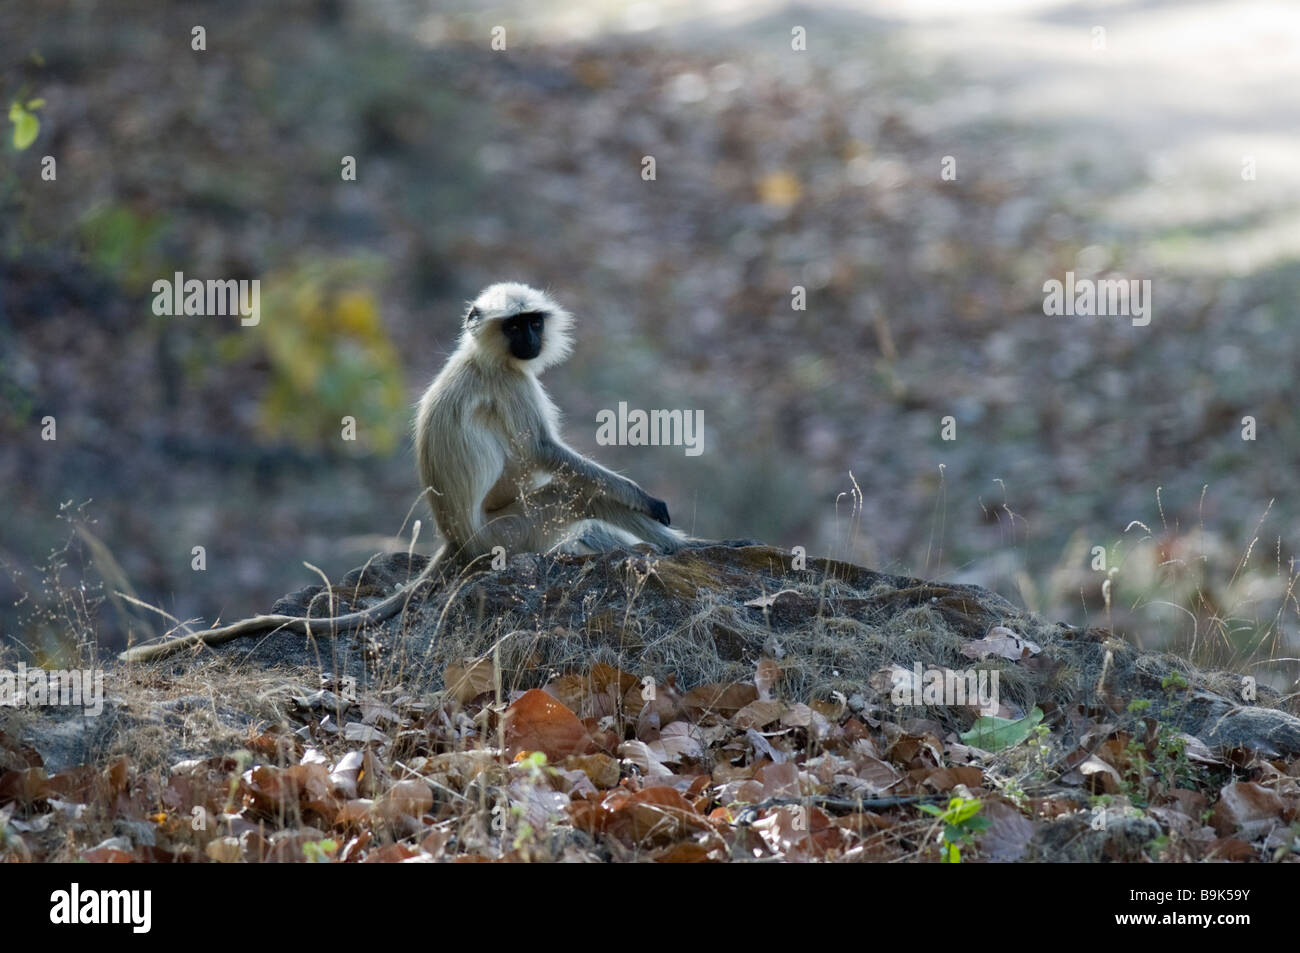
x=544 y=517
x=593 y=536
x=644 y=528
x=585 y=504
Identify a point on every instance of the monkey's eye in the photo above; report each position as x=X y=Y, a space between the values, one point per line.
x=535 y=324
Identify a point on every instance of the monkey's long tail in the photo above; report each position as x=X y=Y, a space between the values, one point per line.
x=333 y=625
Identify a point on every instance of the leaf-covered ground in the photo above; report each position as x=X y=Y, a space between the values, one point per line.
x=419 y=741
x=604 y=766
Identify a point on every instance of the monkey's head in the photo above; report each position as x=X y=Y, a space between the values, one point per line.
x=513 y=323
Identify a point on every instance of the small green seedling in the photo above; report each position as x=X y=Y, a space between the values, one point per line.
x=26 y=125
x=960 y=825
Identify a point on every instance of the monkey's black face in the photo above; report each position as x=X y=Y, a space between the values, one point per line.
x=524 y=332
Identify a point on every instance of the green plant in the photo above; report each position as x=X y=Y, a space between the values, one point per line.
x=26 y=125
x=125 y=244
x=321 y=851
x=1014 y=791
x=1158 y=846
x=1042 y=734
x=1162 y=763
x=960 y=825
x=330 y=356
x=993 y=733
x=1171 y=763
x=1172 y=682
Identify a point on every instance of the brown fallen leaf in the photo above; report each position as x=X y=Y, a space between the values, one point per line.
x=758 y=714
x=606 y=677
x=1230 y=848
x=945 y=779
x=437 y=841
x=389 y=854
x=800 y=832
x=779 y=780
x=300 y=789
x=642 y=756
x=1247 y=809
x=1008 y=834
x=1002 y=642
x=871 y=776
x=656 y=815
x=411 y=797
x=723 y=698
x=648 y=699
x=677 y=741
x=82 y=785
x=569 y=690
x=832 y=711
x=538 y=722
x=711 y=849
x=1099 y=774
x=895 y=680
x=354 y=814
x=354 y=849
x=106 y=855
x=603 y=770
x=467 y=680
x=800 y=715
x=224 y=850
x=24 y=787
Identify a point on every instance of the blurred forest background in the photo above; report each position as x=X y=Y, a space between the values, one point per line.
x=776 y=168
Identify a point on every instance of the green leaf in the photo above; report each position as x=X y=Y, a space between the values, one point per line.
x=960 y=810
x=993 y=734
x=35 y=104
x=26 y=126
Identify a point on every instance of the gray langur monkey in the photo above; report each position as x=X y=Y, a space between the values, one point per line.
x=489 y=449
x=493 y=465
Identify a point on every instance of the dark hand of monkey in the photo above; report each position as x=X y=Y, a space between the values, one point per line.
x=658 y=510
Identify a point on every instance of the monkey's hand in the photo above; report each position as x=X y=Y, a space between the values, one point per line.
x=657 y=510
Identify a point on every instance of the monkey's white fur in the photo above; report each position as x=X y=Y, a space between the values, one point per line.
x=490 y=453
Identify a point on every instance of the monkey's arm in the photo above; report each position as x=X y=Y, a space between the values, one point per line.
x=566 y=464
